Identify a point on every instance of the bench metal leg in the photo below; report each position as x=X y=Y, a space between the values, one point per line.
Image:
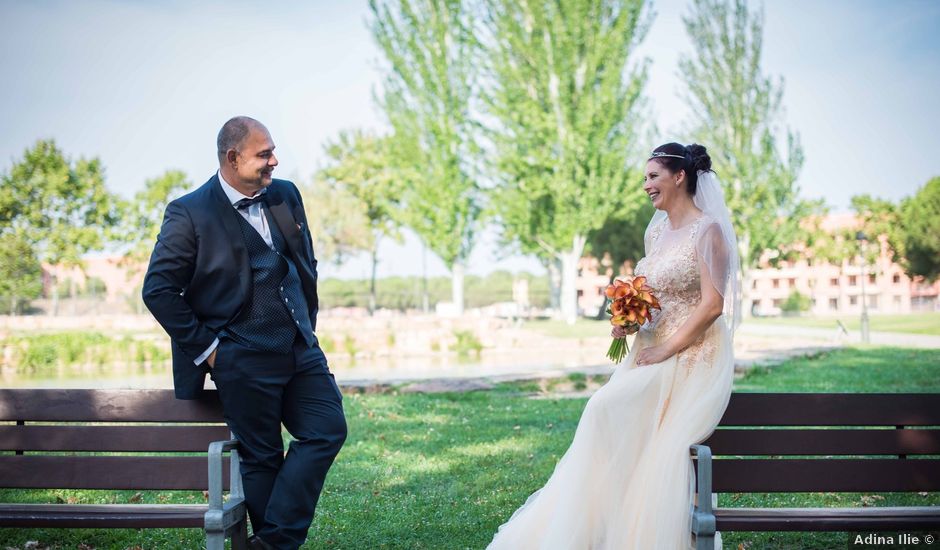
x=703 y=519
x=215 y=541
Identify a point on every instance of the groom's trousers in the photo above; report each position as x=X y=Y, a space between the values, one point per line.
x=260 y=391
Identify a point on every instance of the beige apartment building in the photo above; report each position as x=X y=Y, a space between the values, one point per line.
x=831 y=289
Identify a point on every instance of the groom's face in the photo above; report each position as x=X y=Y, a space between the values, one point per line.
x=255 y=160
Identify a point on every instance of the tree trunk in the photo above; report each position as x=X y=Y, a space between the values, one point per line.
x=55 y=295
x=425 y=302
x=744 y=246
x=569 y=277
x=375 y=263
x=456 y=287
x=553 y=266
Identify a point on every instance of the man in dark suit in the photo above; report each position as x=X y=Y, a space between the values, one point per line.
x=233 y=281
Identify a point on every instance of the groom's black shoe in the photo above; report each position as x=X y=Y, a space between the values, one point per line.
x=257 y=543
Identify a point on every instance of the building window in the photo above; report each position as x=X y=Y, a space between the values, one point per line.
x=833 y=303
x=853 y=280
x=896 y=279
x=792 y=282
x=580 y=293
x=776 y=283
x=777 y=302
x=834 y=281
x=872 y=278
x=811 y=283
x=897 y=300
x=754 y=284
x=853 y=300
x=872 y=302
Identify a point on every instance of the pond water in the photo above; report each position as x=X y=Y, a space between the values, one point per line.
x=363 y=370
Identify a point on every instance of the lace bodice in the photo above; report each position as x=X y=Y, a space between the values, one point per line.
x=672 y=269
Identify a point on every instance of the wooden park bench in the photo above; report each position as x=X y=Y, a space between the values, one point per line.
x=856 y=443
x=69 y=439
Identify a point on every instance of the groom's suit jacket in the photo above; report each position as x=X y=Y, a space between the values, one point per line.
x=199 y=275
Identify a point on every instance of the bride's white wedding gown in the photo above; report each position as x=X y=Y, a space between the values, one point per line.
x=626 y=481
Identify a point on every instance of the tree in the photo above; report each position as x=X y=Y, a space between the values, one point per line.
x=621 y=240
x=141 y=219
x=20 y=273
x=143 y=215
x=432 y=53
x=60 y=208
x=338 y=221
x=734 y=114
x=565 y=105
x=920 y=223
x=361 y=164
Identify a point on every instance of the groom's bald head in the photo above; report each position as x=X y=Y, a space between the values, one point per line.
x=233 y=134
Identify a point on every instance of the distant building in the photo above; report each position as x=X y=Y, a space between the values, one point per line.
x=831 y=289
x=120 y=279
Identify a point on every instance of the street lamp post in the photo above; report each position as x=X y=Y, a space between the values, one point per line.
x=863 y=239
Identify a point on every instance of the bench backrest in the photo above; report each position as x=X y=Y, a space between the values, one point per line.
x=106 y=439
x=808 y=442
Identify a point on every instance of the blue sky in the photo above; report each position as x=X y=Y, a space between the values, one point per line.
x=145 y=86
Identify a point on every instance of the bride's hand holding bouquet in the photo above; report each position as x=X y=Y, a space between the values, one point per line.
x=631 y=305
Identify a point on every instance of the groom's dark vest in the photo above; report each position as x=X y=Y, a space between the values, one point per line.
x=276 y=309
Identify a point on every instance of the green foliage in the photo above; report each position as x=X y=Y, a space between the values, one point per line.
x=48 y=350
x=350 y=345
x=566 y=105
x=432 y=52
x=362 y=165
x=327 y=343
x=143 y=214
x=60 y=207
x=920 y=222
x=734 y=114
x=467 y=343
x=404 y=293
x=20 y=273
x=796 y=302
x=338 y=222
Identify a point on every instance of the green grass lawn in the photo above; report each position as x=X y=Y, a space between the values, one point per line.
x=443 y=471
x=914 y=323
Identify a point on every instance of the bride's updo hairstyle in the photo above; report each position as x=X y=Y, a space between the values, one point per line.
x=675 y=157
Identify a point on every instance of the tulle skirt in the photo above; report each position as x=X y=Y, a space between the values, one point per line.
x=626 y=481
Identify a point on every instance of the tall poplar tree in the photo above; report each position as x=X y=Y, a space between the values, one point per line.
x=433 y=56
x=565 y=99
x=735 y=112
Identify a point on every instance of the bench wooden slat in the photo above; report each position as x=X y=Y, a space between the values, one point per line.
x=111 y=438
x=105 y=472
x=102 y=516
x=827 y=519
x=824 y=475
x=73 y=405
x=824 y=442
x=832 y=409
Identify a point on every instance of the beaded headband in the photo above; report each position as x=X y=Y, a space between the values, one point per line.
x=658 y=154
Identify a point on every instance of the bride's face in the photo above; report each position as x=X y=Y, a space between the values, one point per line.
x=660 y=185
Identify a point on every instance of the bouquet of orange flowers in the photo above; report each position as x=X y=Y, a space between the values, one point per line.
x=631 y=305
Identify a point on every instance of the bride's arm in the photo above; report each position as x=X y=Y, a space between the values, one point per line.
x=702 y=317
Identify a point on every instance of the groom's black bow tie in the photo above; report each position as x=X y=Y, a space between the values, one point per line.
x=245 y=203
